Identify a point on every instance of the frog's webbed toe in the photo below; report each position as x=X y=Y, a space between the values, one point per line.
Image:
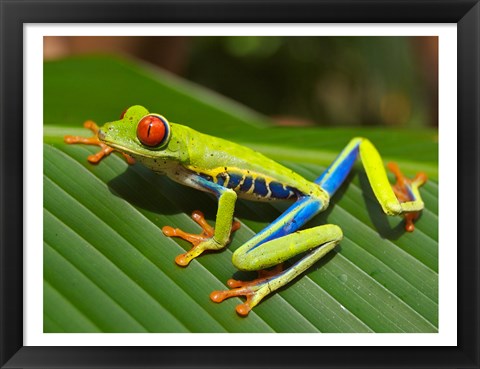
x=254 y=290
x=105 y=150
x=403 y=190
x=201 y=242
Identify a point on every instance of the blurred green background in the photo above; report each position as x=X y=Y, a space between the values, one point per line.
x=326 y=81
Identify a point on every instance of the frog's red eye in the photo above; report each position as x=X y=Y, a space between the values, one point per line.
x=152 y=130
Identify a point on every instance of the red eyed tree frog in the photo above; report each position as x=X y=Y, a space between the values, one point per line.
x=228 y=170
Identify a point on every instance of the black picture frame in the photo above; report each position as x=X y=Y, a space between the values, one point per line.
x=15 y=13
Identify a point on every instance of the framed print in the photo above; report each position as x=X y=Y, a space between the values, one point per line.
x=318 y=175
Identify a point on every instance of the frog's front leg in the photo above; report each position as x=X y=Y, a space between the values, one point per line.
x=105 y=150
x=210 y=238
x=275 y=244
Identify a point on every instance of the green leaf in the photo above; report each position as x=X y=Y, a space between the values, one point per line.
x=109 y=268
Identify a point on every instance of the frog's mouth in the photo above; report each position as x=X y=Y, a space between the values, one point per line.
x=103 y=137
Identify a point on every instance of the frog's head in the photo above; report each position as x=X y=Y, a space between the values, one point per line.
x=142 y=134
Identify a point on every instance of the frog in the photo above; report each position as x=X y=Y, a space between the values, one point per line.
x=230 y=171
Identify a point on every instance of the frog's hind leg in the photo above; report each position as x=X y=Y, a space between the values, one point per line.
x=406 y=190
x=403 y=198
x=275 y=244
x=317 y=242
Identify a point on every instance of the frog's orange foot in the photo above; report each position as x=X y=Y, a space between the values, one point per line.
x=403 y=190
x=197 y=240
x=105 y=150
x=253 y=290
x=241 y=309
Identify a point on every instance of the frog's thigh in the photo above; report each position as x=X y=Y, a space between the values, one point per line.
x=324 y=238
